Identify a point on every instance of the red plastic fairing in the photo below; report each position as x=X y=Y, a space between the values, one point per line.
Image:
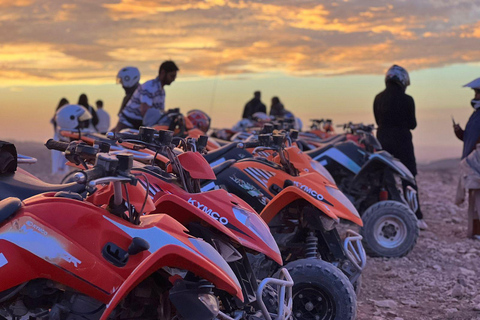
x=184 y=213
x=286 y=196
x=196 y=165
x=174 y=256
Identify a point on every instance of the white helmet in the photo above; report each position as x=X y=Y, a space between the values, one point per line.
x=398 y=75
x=128 y=77
x=69 y=117
x=475 y=84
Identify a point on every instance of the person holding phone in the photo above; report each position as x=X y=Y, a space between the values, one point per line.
x=471 y=135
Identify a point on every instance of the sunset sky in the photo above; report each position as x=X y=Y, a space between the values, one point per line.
x=322 y=58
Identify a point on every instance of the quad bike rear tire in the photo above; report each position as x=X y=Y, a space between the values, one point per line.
x=389 y=229
x=321 y=291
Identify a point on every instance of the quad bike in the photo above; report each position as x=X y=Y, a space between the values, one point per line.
x=380 y=188
x=331 y=296
x=64 y=258
x=255 y=235
x=389 y=229
x=302 y=210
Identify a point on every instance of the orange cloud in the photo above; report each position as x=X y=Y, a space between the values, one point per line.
x=91 y=40
x=15 y=3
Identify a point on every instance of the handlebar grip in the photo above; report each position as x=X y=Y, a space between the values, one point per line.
x=56 y=145
x=94 y=173
x=246 y=145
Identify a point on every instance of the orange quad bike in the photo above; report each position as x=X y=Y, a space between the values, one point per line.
x=302 y=210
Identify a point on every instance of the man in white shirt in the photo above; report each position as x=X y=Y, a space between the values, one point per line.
x=103 y=118
x=148 y=95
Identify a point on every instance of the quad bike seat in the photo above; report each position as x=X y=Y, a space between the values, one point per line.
x=216 y=154
x=222 y=166
x=315 y=152
x=334 y=139
x=24 y=186
x=8 y=207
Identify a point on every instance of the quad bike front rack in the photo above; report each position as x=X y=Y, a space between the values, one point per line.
x=354 y=249
x=283 y=284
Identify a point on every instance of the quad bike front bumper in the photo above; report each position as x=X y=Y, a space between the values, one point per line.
x=411 y=199
x=354 y=251
x=283 y=284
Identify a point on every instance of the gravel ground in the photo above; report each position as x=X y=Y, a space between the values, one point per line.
x=437 y=280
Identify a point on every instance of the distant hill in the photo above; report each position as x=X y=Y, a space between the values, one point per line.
x=443 y=164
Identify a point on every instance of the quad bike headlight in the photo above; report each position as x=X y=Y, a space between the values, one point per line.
x=210 y=301
x=321 y=169
x=252 y=221
x=342 y=198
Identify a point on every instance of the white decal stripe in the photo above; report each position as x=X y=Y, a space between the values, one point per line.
x=207 y=187
x=268 y=173
x=261 y=173
x=217 y=162
x=3 y=260
x=254 y=175
x=152 y=190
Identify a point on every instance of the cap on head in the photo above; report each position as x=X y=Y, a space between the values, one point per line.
x=475 y=84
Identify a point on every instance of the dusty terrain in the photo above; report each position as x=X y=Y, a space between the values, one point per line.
x=437 y=280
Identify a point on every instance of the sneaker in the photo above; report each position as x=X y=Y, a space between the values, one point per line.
x=422 y=225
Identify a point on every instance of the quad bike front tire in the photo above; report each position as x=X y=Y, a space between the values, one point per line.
x=321 y=291
x=389 y=229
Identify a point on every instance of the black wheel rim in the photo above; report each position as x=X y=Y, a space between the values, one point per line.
x=312 y=303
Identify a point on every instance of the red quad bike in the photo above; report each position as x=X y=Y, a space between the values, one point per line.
x=221 y=219
x=302 y=210
x=179 y=188
x=64 y=258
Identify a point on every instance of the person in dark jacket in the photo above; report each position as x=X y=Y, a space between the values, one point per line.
x=394 y=112
x=471 y=135
x=92 y=123
x=277 y=109
x=253 y=106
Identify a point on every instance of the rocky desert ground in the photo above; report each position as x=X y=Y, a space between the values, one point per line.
x=437 y=280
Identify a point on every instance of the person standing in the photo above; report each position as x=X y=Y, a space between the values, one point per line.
x=129 y=78
x=92 y=123
x=58 y=159
x=471 y=135
x=253 y=106
x=394 y=112
x=103 y=118
x=277 y=109
x=150 y=95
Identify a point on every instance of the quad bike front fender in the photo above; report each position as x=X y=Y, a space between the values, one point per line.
x=184 y=213
x=176 y=257
x=287 y=196
x=382 y=161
